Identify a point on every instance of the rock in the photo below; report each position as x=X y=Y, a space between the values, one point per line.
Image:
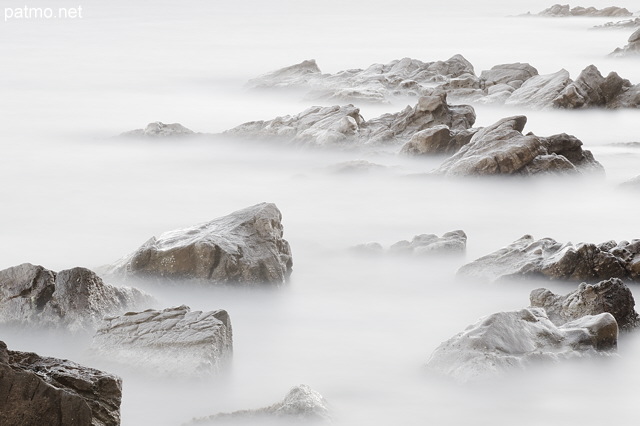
x=633 y=184
x=368 y=248
x=627 y=23
x=75 y=299
x=540 y=91
x=301 y=404
x=427 y=244
x=591 y=89
x=547 y=258
x=170 y=342
x=632 y=47
x=160 y=130
x=502 y=149
x=243 y=247
x=343 y=125
x=437 y=140
x=506 y=341
x=558 y=10
x=506 y=73
x=37 y=390
x=293 y=75
x=611 y=296
x=377 y=83
x=356 y=167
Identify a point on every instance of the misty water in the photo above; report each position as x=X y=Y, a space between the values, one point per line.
x=357 y=329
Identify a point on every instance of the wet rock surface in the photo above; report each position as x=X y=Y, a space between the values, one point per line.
x=160 y=130
x=171 y=342
x=36 y=390
x=246 y=246
x=75 y=299
x=453 y=242
x=547 y=258
x=301 y=404
x=344 y=126
x=611 y=296
x=502 y=149
x=515 y=340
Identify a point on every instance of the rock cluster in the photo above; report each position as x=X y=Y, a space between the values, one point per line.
x=301 y=404
x=37 y=390
x=502 y=149
x=343 y=125
x=611 y=296
x=75 y=299
x=515 y=340
x=421 y=245
x=632 y=47
x=547 y=258
x=559 y=10
x=512 y=84
x=172 y=342
x=160 y=130
x=245 y=246
x=627 y=23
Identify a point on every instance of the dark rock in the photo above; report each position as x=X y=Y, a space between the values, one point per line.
x=591 y=89
x=301 y=404
x=36 y=391
x=160 y=130
x=170 y=342
x=243 y=247
x=75 y=299
x=437 y=140
x=502 y=149
x=546 y=258
x=505 y=341
x=611 y=296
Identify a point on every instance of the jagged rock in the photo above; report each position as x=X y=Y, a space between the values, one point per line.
x=437 y=140
x=160 y=130
x=611 y=296
x=322 y=126
x=540 y=91
x=591 y=89
x=450 y=242
x=632 y=47
x=547 y=258
x=559 y=10
x=515 y=340
x=507 y=73
x=377 y=83
x=627 y=23
x=36 y=391
x=301 y=404
x=173 y=341
x=243 y=247
x=75 y=299
x=502 y=149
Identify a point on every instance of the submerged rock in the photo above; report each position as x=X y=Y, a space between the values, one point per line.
x=633 y=184
x=160 y=130
x=611 y=296
x=173 y=341
x=245 y=246
x=75 y=299
x=559 y=10
x=632 y=47
x=36 y=391
x=301 y=404
x=343 y=125
x=515 y=340
x=627 y=23
x=502 y=149
x=453 y=242
x=547 y=258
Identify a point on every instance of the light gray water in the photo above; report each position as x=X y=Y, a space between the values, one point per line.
x=358 y=330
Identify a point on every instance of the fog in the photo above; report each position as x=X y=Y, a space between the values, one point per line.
x=357 y=329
